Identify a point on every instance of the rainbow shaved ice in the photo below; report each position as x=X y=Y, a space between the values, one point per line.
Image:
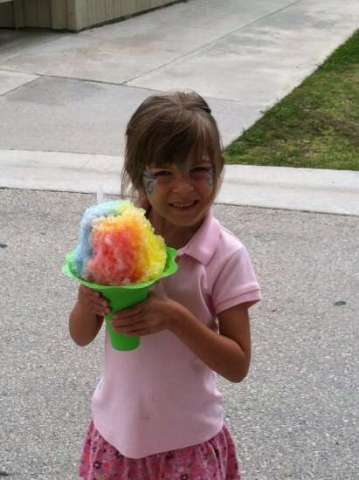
x=118 y=245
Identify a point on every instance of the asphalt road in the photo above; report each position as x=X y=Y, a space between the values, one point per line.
x=297 y=414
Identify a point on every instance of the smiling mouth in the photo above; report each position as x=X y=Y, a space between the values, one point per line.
x=183 y=206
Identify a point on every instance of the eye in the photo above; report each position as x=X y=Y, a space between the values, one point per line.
x=201 y=171
x=161 y=174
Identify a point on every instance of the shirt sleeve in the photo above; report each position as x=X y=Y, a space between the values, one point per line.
x=236 y=282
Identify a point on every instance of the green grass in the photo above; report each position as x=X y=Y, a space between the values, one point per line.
x=316 y=126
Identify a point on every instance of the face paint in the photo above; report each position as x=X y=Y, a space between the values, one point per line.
x=198 y=174
x=148 y=182
x=211 y=177
x=202 y=173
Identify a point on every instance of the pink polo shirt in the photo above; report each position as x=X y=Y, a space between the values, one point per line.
x=161 y=396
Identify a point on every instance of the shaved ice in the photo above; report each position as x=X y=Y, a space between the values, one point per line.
x=118 y=246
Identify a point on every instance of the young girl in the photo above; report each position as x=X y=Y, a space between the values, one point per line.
x=156 y=413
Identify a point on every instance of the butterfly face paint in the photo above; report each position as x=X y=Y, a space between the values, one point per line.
x=180 y=196
x=198 y=175
x=198 y=172
x=149 y=180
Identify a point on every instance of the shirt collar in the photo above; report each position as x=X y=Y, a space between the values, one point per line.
x=202 y=245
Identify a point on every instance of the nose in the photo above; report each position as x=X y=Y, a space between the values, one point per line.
x=182 y=183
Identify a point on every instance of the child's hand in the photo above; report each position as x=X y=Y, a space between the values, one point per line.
x=148 y=317
x=92 y=301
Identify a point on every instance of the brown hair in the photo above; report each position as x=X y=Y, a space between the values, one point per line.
x=166 y=129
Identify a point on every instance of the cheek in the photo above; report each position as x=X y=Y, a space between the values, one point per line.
x=154 y=196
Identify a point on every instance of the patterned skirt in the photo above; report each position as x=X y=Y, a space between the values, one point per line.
x=211 y=460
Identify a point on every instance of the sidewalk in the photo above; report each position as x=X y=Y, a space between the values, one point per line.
x=73 y=94
x=325 y=191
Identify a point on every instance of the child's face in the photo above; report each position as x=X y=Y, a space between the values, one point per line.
x=181 y=193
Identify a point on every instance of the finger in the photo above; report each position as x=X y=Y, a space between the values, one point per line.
x=98 y=305
x=129 y=313
x=91 y=295
x=88 y=298
x=89 y=292
x=100 y=310
x=139 y=328
x=101 y=303
x=137 y=332
x=126 y=324
x=129 y=324
x=134 y=309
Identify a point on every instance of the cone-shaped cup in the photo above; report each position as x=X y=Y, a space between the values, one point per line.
x=121 y=297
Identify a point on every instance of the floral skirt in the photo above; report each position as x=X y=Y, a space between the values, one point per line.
x=211 y=460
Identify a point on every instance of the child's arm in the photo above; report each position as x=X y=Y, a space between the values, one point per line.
x=87 y=315
x=229 y=353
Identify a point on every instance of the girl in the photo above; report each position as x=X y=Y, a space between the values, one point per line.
x=157 y=414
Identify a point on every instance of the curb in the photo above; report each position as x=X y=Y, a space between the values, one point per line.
x=324 y=191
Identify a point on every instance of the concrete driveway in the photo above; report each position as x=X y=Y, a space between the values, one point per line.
x=296 y=416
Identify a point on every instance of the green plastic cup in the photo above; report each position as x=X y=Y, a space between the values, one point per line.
x=121 y=297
